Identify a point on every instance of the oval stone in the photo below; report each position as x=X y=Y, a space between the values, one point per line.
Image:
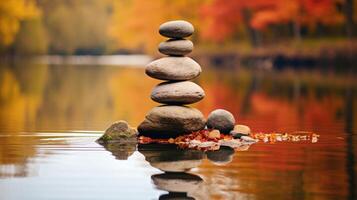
x=176 y=47
x=176 y=29
x=173 y=68
x=171 y=121
x=183 y=92
x=222 y=120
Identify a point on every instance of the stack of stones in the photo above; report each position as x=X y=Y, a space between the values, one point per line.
x=174 y=118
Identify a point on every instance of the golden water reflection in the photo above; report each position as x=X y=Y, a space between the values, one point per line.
x=35 y=98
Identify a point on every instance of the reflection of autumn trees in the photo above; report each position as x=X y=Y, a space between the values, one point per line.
x=278 y=101
x=21 y=96
x=67 y=97
x=267 y=171
x=283 y=102
x=91 y=97
x=19 y=103
x=75 y=98
x=130 y=90
x=48 y=98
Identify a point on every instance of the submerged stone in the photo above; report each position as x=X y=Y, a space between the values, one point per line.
x=171 y=121
x=183 y=92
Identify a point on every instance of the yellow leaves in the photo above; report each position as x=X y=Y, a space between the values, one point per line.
x=287 y=137
x=12 y=12
x=135 y=23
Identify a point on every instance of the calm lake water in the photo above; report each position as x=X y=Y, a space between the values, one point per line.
x=51 y=115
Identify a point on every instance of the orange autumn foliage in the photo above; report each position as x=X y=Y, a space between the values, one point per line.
x=221 y=20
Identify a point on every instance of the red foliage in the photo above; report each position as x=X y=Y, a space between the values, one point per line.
x=222 y=18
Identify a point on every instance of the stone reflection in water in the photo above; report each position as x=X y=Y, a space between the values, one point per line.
x=167 y=157
x=174 y=162
x=178 y=184
x=221 y=157
x=121 y=151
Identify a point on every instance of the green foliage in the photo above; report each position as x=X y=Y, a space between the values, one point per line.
x=106 y=137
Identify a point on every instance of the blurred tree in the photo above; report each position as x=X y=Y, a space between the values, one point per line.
x=11 y=13
x=31 y=39
x=76 y=25
x=259 y=14
x=223 y=20
x=135 y=23
x=349 y=8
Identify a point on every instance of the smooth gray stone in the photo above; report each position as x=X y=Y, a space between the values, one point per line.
x=176 y=47
x=183 y=92
x=171 y=121
x=222 y=120
x=173 y=68
x=176 y=29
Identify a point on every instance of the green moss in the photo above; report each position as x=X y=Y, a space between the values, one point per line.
x=106 y=137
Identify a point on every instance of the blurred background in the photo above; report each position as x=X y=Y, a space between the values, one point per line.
x=277 y=65
x=70 y=67
x=257 y=27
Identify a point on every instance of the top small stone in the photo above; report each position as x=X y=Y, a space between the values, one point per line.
x=176 y=29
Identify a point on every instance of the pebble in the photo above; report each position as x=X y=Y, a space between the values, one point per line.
x=173 y=68
x=248 y=139
x=240 y=130
x=222 y=120
x=183 y=92
x=214 y=134
x=176 y=29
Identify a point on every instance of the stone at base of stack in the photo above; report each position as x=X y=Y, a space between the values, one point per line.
x=174 y=118
x=171 y=121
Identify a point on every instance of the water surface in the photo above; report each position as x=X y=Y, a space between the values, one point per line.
x=51 y=115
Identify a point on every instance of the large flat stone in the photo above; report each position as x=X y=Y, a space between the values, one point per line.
x=173 y=68
x=171 y=121
x=182 y=92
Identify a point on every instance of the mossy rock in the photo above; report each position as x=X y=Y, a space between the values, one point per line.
x=119 y=132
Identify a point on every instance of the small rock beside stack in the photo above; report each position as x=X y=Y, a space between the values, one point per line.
x=174 y=118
